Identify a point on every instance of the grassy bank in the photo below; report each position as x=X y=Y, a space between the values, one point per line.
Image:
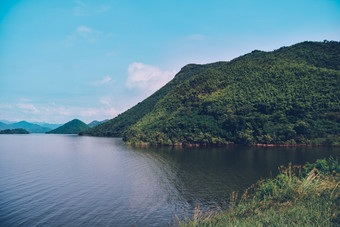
x=298 y=196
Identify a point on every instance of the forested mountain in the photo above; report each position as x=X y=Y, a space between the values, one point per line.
x=287 y=96
x=95 y=123
x=32 y=128
x=48 y=125
x=72 y=127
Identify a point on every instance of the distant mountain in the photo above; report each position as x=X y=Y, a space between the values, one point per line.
x=4 y=126
x=7 y=122
x=14 y=131
x=48 y=125
x=32 y=128
x=95 y=123
x=72 y=127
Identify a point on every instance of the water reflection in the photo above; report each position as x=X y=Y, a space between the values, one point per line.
x=68 y=180
x=206 y=176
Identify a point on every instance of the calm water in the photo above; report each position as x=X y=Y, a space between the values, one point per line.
x=66 y=180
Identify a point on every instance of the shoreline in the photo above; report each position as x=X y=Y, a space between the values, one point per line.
x=144 y=144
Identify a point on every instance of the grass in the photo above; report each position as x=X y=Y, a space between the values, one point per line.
x=298 y=196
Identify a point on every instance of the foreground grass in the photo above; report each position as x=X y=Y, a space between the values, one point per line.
x=298 y=196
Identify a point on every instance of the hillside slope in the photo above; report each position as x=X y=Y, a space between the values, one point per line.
x=95 y=123
x=116 y=126
x=72 y=127
x=287 y=96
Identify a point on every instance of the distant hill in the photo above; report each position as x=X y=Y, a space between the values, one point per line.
x=32 y=128
x=48 y=125
x=4 y=126
x=287 y=96
x=72 y=127
x=14 y=131
x=95 y=123
x=7 y=122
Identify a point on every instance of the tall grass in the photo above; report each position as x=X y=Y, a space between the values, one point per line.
x=298 y=196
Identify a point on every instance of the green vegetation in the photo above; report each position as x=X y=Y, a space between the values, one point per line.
x=95 y=123
x=72 y=127
x=287 y=96
x=117 y=126
x=14 y=131
x=308 y=196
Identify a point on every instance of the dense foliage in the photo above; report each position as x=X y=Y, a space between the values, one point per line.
x=308 y=196
x=287 y=96
x=72 y=127
x=14 y=131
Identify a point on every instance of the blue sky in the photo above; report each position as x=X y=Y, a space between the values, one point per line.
x=92 y=60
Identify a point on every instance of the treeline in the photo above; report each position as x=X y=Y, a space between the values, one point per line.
x=288 y=96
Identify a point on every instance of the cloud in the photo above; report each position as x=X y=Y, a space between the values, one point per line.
x=147 y=77
x=86 y=9
x=103 y=81
x=55 y=113
x=28 y=108
x=106 y=101
x=82 y=33
x=104 y=111
x=84 y=29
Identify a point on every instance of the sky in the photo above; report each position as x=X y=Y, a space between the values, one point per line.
x=94 y=59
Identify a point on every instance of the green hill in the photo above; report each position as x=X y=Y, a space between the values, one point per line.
x=116 y=126
x=286 y=96
x=72 y=127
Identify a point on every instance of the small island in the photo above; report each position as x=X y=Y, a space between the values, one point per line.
x=14 y=131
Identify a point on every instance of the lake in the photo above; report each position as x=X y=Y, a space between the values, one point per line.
x=67 y=180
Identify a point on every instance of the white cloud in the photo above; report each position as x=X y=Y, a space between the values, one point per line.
x=106 y=101
x=106 y=80
x=87 y=9
x=28 y=108
x=82 y=33
x=84 y=29
x=147 y=77
x=53 y=113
